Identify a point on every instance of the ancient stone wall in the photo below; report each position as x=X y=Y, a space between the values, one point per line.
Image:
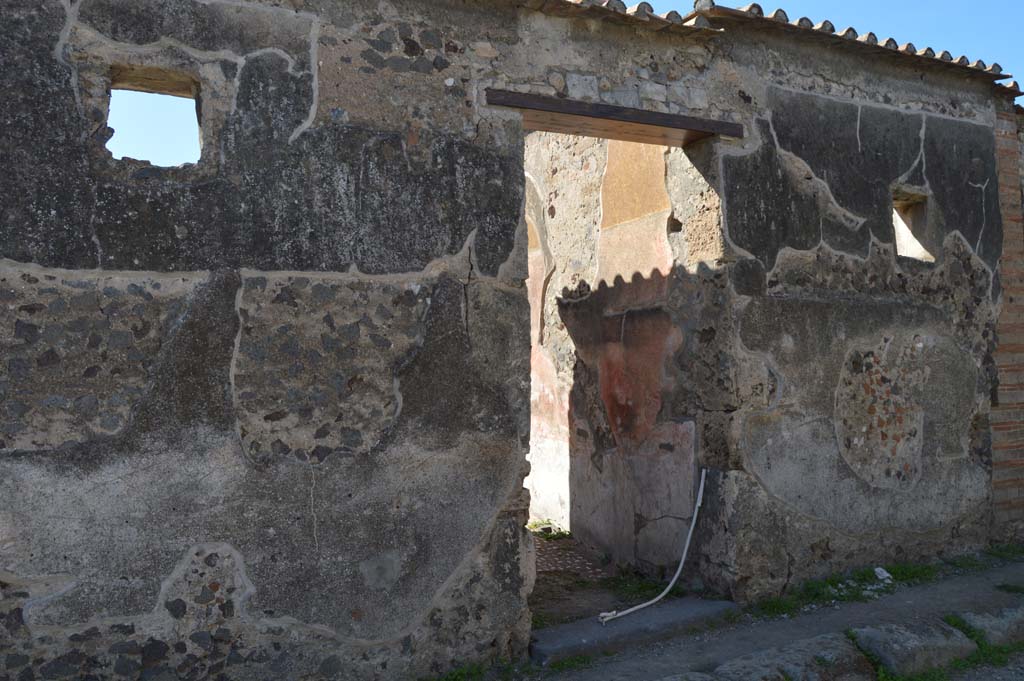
x=839 y=392
x=253 y=420
x=855 y=384
x=267 y=416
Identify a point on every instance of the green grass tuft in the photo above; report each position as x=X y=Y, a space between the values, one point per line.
x=968 y=562
x=987 y=655
x=860 y=585
x=571 y=663
x=838 y=588
x=864 y=576
x=732 y=617
x=1011 y=588
x=930 y=675
x=776 y=607
x=547 y=529
x=538 y=621
x=1006 y=551
x=468 y=673
x=630 y=586
x=912 y=573
x=958 y=622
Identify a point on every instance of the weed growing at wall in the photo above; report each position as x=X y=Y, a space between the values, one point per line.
x=913 y=573
x=467 y=673
x=547 y=529
x=1006 y=551
x=864 y=584
x=859 y=586
x=968 y=563
x=1012 y=588
x=629 y=586
x=572 y=663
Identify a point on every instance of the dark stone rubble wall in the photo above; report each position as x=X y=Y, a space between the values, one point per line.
x=848 y=424
x=264 y=416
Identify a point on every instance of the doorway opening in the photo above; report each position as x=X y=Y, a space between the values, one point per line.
x=619 y=219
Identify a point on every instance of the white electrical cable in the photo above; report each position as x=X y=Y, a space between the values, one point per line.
x=606 y=617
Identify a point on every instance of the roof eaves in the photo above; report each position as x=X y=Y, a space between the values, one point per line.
x=641 y=14
x=826 y=30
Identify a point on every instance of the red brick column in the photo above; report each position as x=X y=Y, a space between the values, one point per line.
x=1008 y=416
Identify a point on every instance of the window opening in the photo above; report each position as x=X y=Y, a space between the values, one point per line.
x=162 y=129
x=910 y=217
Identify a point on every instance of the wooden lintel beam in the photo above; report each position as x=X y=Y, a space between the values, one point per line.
x=573 y=117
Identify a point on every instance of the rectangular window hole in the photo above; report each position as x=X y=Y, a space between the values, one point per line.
x=910 y=220
x=155 y=117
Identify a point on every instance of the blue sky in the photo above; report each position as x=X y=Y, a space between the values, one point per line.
x=983 y=29
x=150 y=127
x=156 y=128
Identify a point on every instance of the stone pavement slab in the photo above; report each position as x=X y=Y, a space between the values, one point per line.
x=914 y=649
x=831 y=657
x=705 y=652
x=1001 y=628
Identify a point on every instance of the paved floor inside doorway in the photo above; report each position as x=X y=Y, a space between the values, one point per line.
x=574 y=584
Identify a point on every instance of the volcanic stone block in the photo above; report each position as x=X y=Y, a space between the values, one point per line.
x=914 y=649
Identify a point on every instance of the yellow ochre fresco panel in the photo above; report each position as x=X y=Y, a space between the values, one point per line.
x=635 y=208
x=634 y=183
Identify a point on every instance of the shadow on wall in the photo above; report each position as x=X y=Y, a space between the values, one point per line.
x=633 y=465
x=611 y=457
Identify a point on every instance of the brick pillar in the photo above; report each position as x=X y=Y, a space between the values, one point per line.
x=1008 y=416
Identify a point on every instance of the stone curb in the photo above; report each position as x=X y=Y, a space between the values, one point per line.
x=590 y=637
